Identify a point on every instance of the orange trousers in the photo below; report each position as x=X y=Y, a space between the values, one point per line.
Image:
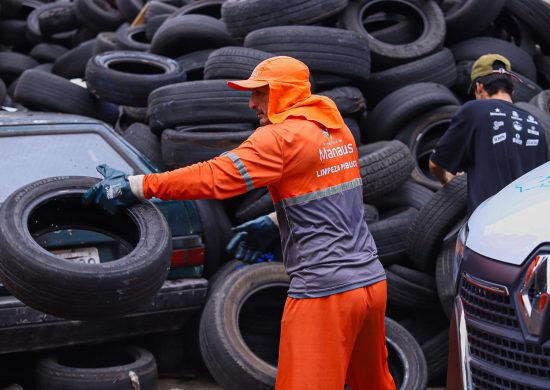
x=335 y=340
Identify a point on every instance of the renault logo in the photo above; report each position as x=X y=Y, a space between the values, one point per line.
x=533 y=294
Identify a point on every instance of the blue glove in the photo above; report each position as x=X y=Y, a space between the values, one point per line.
x=252 y=238
x=113 y=193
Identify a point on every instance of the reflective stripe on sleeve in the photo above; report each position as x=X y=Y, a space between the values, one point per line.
x=321 y=193
x=242 y=170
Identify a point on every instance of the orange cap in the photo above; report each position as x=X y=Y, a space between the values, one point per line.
x=280 y=68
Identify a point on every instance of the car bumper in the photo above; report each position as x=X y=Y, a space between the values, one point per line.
x=25 y=329
x=487 y=346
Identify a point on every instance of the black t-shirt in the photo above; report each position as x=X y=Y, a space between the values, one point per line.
x=494 y=142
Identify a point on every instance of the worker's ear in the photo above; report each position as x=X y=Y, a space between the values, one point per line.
x=478 y=89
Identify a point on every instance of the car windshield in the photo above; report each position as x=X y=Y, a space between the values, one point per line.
x=26 y=158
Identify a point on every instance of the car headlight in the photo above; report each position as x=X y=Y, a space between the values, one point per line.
x=459 y=252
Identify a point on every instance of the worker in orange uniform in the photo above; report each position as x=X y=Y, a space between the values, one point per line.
x=332 y=330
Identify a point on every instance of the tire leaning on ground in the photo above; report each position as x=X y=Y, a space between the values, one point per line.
x=406 y=360
x=98 y=369
x=240 y=327
x=446 y=208
x=76 y=290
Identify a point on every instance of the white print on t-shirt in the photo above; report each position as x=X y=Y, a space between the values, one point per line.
x=517 y=140
x=497 y=124
x=532 y=130
x=336 y=168
x=517 y=125
x=497 y=112
x=532 y=142
x=531 y=119
x=516 y=116
x=499 y=138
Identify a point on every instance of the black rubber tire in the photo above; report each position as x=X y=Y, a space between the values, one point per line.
x=56 y=18
x=399 y=31
x=436 y=352
x=12 y=33
x=72 y=64
x=105 y=41
x=47 y=52
x=349 y=100
x=255 y=204
x=244 y=17
x=536 y=15
x=436 y=68
x=237 y=311
x=410 y=194
x=105 y=368
x=223 y=273
x=76 y=290
x=188 y=33
x=130 y=37
x=233 y=62
x=322 y=49
x=423 y=326
x=13 y=64
x=526 y=90
x=158 y=7
x=43 y=91
x=384 y=166
x=371 y=213
x=401 y=106
x=421 y=135
x=472 y=13
x=543 y=71
x=211 y=8
x=129 y=9
x=508 y=27
x=128 y=77
x=185 y=147
x=385 y=55
x=406 y=361
x=471 y=49
x=411 y=290
x=198 y=102
x=216 y=232
x=98 y=15
x=446 y=208
x=444 y=277
x=390 y=234
x=140 y=136
x=193 y=63
x=542 y=101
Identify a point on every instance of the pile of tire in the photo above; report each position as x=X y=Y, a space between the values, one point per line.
x=397 y=69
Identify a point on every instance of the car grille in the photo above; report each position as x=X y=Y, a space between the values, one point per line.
x=487 y=381
x=530 y=359
x=488 y=306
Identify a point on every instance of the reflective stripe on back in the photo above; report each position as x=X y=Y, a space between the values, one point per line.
x=321 y=193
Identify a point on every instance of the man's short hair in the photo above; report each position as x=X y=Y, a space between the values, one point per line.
x=494 y=72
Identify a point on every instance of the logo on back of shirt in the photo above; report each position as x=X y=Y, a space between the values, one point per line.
x=497 y=125
x=499 y=138
x=531 y=119
x=532 y=130
x=517 y=140
x=517 y=125
x=497 y=112
x=516 y=116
